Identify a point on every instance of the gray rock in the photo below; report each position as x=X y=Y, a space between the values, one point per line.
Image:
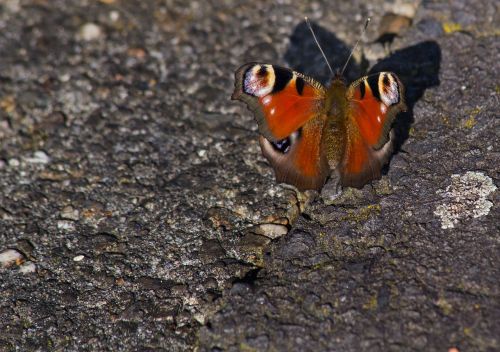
x=140 y=137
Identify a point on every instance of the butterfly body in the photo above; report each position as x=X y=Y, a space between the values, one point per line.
x=309 y=131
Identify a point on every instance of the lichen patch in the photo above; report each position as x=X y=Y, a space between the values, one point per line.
x=465 y=198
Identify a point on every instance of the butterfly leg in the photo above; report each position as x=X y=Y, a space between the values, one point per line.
x=332 y=189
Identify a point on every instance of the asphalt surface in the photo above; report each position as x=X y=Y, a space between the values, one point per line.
x=137 y=213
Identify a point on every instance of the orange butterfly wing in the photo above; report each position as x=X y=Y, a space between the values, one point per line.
x=282 y=100
x=302 y=162
x=373 y=103
x=289 y=110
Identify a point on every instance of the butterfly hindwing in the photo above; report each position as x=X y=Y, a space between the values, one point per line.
x=299 y=159
x=281 y=99
x=373 y=103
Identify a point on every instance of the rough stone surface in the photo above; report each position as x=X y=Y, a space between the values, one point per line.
x=145 y=217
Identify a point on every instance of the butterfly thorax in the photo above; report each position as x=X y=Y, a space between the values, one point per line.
x=335 y=99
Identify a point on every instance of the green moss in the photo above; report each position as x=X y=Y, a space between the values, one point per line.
x=246 y=348
x=383 y=187
x=471 y=120
x=444 y=305
x=417 y=133
x=330 y=245
x=371 y=304
x=362 y=214
x=446 y=120
x=451 y=27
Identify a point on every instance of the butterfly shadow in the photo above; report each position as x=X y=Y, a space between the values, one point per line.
x=417 y=67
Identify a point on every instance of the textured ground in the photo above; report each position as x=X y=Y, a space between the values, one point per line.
x=136 y=212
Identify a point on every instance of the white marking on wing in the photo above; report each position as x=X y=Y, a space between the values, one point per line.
x=257 y=85
x=388 y=93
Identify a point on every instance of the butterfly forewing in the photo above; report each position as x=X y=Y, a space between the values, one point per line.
x=282 y=100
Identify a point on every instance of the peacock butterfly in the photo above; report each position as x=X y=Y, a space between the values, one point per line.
x=309 y=131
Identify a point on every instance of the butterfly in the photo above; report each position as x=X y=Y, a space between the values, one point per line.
x=309 y=131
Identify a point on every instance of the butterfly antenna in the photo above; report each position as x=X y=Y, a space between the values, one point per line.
x=355 y=45
x=317 y=43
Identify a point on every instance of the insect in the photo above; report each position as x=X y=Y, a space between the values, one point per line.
x=309 y=131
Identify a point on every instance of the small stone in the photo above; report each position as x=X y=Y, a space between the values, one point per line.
x=430 y=27
x=78 y=258
x=10 y=257
x=114 y=16
x=65 y=225
x=28 y=267
x=13 y=162
x=137 y=53
x=407 y=10
x=200 y=318
x=12 y=6
x=65 y=77
x=90 y=31
x=8 y=104
x=149 y=206
x=393 y=24
x=70 y=213
x=39 y=157
x=271 y=231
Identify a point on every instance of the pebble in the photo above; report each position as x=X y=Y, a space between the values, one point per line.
x=28 y=267
x=65 y=225
x=12 y=6
x=114 y=16
x=78 y=258
x=13 y=162
x=430 y=27
x=271 y=231
x=90 y=31
x=405 y=9
x=39 y=157
x=65 y=77
x=70 y=213
x=200 y=318
x=9 y=257
x=149 y=206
